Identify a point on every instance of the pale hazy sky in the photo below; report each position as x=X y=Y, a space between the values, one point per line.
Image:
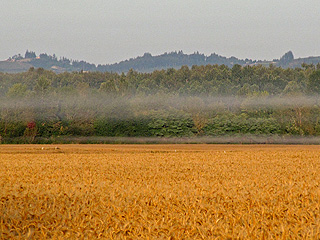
x=109 y=31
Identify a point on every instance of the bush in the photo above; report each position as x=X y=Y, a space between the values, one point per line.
x=113 y=127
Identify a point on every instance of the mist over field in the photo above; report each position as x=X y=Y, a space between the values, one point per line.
x=117 y=107
x=162 y=118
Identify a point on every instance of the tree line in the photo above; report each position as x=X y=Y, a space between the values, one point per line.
x=211 y=100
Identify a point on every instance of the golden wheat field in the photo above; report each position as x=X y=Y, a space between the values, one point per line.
x=159 y=192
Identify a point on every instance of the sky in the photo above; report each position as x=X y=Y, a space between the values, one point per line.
x=109 y=31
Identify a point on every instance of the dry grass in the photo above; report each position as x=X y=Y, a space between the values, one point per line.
x=159 y=192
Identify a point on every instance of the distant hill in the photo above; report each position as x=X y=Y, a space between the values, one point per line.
x=145 y=63
x=13 y=67
x=149 y=63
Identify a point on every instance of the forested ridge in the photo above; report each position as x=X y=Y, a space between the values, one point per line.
x=146 y=63
x=212 y=100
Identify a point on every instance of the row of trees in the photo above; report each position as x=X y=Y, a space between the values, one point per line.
x=209 y=80
x=207 y=100
x=161 y=116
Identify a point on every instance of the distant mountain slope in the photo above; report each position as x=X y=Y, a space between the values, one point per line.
x=145 y=63
x=13 y=67
x=149 y=63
